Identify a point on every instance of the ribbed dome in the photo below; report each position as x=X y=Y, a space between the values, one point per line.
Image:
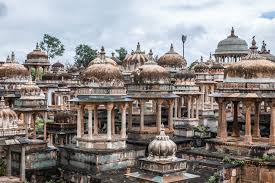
x=150 y=72
x=201 y=67
x=137 y=57
x=58 y=65
x=13 y=69
x=98 y=60
x=102 y=70
x=30 y=89
x=37 y=54
x=162 y=148
x=217 y=66
x=232 y=45
x=185 y=75
x=8 y=118
x=252 y=66
x=172 y=59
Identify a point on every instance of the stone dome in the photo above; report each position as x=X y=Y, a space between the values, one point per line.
x=137 y=57
x=162 y=148
x=201 y=67
x=107 y=60
x=102 y=70
x=172 y=59
x=185 y=75
x=8 y=118
x=37 y=55
x=119 y=62
x=151 y=72
x=253 y=66
x=12 y=68
x=57 y=65
x=216 y=66
x=31 y=91
x=232 y=45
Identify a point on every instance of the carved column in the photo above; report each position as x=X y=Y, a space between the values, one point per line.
x=113 y=122
x=179 y=106
x=23 y=164
x=203 y=97
x=256 y=130
x=130 y=116
x=170 y=114
x=95 y=121
x=141 y=103
x=189 y=107
x=9 y=162
x=212 y=98
x=222 y=124
x=79 y=125
x=176 y=108
x=109 y=120
x=197 y=107
x=34 y=126
x=192 y=107
x=235 y=130
x=45 y=125
x=248 y=137
x=26 y=123
x=272 y=124
x=90 y=121
x=123 y=120
x=159 y=114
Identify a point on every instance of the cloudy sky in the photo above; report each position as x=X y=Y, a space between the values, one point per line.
x=122 y=23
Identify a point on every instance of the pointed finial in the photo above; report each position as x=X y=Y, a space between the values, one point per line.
x=171 y=48
x=232 y=32
x=201 y=59
x=37 y=46
x=263 y=49
x=12 y=56
x=210 y=56
x=253 y=48
x=102 y=53
x=113 y=54
x=138 y=47
x=151 y=55
x=8 y=59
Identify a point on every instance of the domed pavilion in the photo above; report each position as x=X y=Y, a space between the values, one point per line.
x=231 y=49
x=172 y=61
x=151 y=89
x=105 y=90
x=12 y=76
x=249 y=84
x=37 y=59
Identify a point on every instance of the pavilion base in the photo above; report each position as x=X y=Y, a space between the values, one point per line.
x=146 y=135
x=236 y=146
x=100 y=142
x=186 y=121
x=93 y=160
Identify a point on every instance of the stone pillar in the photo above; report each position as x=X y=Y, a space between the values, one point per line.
x=26 y=123
x=45 y=125
x=141 y=103
x=176 y=108
x=90 y=121
x=9 y=162
x=179 y=106
x=113 y=122
x=159 y=114
x=247 y=137
x=123 y=120
x=222 y=124
x=192 y=107
x=79 y=125
x=235 y=130
x=34 y=126
x=202 y=97
x=256 y=130
x=272 y=124
x=212 y=98
x=23 y=164
x=109 y=107
x=189 y=107
x=95 y=121
x=130 y=116
x=170 y=115
x=197 y=107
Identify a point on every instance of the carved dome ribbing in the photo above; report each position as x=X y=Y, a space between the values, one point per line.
x=37 y=55
x=172 y=59
x=137 y=57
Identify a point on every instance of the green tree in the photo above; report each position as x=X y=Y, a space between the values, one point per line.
x=122 y=52
x=52 y=46
x=84 y=54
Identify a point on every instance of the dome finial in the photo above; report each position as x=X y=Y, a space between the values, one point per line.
x=171 y=48
x=151 y=55
x=232 y=32
x=253 y=48
x=138 y=47
x=37 y=46
x=113 y=54
x=12 y=56
x=210 y=56
x=201 y=59
x=102 y=53
x=8 y=59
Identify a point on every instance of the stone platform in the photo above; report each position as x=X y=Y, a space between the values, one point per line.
x=87 y=160
x=236 y=146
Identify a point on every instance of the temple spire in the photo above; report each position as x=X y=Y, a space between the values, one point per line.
x=12 y=57
x=138 y=47
x=171 y=48
x=37 y=46
x=102 y=53
x=232 y=32
x=201 y=59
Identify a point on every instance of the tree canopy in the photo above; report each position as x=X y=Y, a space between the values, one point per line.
x=84 y=54
x=122 y=52
x=52 y=46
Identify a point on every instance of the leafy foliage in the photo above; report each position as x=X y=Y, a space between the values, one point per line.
x=84 y=54
x=2 y=167
x=122 y=52
x=227 y=159
x=214 y=178
x=267 y=157
x=52 y=46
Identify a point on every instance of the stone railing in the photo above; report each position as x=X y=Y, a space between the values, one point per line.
x=31 y=103
x=61 y=127
x=144 y=87
x=11 y=132
x=247 y=86
x=102 y=91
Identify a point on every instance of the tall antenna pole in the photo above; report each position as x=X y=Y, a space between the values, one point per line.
x=183 y=38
